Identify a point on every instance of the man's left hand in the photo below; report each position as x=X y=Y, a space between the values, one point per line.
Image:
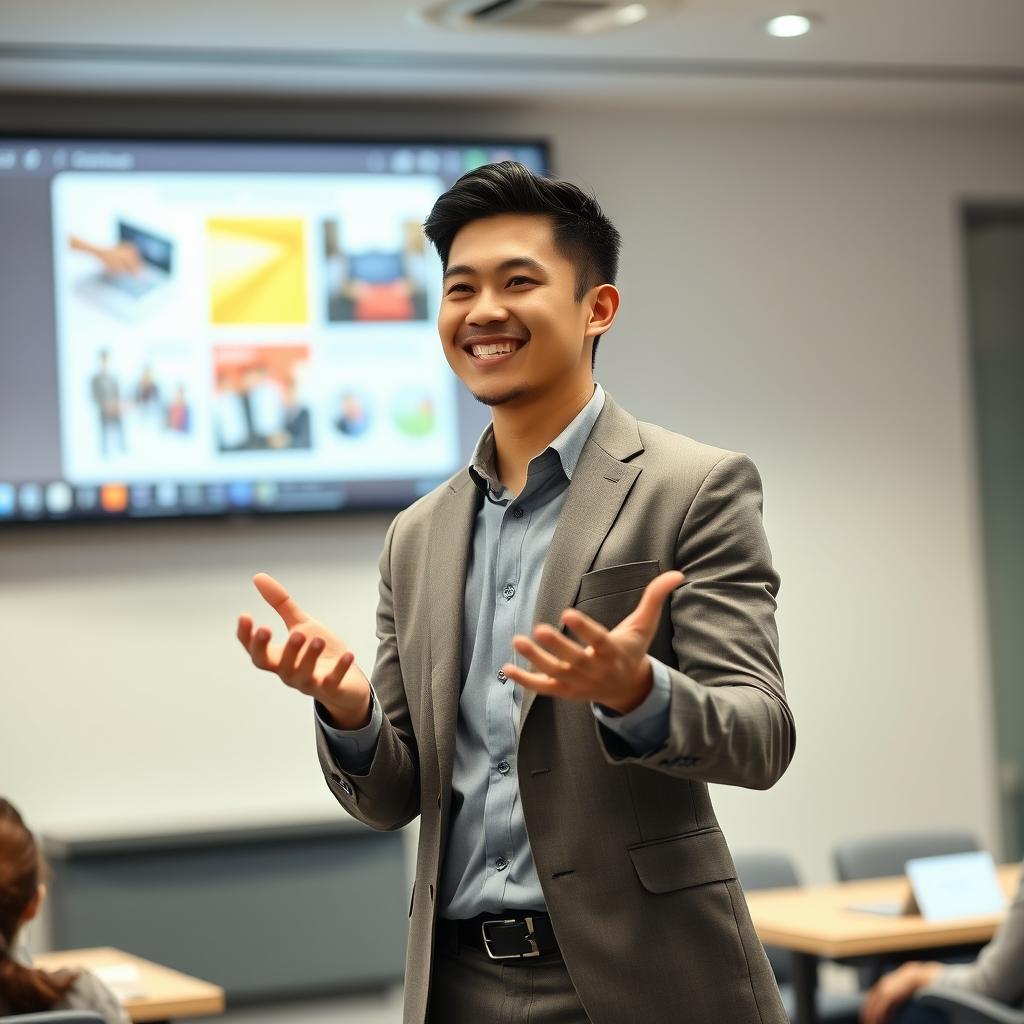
x=609 y=667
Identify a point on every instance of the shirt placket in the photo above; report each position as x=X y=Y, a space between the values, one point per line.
x=503 y=703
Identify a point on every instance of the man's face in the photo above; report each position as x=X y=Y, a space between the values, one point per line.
x=507 y=287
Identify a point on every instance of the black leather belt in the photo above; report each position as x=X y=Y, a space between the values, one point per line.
x=508 y=935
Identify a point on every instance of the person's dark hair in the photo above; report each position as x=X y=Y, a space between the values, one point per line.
x=22 y=989
x=582 y=233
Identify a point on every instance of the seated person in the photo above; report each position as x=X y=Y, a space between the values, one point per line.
x=22 y=988
x=997 y=973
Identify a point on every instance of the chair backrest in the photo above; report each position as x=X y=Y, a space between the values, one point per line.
x=769 y=869
x=55 y=1017
x=885 y=855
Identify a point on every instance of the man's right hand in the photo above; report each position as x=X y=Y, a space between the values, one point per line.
x=312 y=660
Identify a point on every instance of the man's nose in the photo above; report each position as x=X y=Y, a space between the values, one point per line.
x=487 y=309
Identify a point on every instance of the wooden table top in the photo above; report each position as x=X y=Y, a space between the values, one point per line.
x=817 y=919
x=148 y=991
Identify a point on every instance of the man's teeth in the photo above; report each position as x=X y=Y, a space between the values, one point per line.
x=487 y=351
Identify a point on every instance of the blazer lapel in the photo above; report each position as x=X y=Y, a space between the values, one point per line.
x=598 y=488
x=451 y=531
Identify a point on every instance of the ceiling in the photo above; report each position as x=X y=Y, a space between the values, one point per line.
x=916 y=55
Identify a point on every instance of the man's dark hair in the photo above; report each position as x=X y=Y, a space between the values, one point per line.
x=582 y=233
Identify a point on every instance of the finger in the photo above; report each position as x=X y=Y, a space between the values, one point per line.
x=306 y=668
x=244 y=631
x=654 y=595
x=290 y=655
x=587 y=629
x=559 y=644
x=333 y=678
x=539 y=658
x=279 y=599
x=536 y=681
x=259 y=650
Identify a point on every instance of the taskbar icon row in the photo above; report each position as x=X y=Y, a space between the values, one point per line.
x=61 y=500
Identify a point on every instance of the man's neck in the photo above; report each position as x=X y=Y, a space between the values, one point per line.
x=524 y=432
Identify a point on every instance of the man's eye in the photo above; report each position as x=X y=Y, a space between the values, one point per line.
x=525 y=280
x=458 y=287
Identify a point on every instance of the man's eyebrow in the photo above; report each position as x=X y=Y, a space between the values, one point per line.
x=514 y=263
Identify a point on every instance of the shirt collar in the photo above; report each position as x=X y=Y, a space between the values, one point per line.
x=568 y=445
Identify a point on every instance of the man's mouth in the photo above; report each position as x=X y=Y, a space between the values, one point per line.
x=492 y=351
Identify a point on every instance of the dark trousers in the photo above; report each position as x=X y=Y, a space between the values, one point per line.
x=470 y=988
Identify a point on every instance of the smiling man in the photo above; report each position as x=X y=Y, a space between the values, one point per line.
x=577 y=635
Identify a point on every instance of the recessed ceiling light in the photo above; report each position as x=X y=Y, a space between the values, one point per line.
x=787 y=25
x=631 y=15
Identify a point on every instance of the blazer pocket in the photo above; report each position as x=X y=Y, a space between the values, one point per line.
x=680 y=862
x=614 y=579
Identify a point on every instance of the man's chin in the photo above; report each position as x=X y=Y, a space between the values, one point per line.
x=499 y=397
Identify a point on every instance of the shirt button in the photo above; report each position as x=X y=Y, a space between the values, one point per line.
x=501 y=863
x=504 y=767
x=517 y=513
x=509 y=591
x=501 y=676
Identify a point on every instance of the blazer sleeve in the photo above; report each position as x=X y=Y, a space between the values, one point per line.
x=999 y=970
x=387 y=796
x=729 y=719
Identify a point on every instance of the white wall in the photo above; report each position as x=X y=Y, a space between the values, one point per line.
x=793 y=289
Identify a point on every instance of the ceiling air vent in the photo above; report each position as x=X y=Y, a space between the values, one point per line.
x=559 y=16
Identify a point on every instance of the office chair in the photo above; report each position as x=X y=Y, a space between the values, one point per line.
x=886 y=855
x=773 y=870
x=968 y=1008
x=883 y=856
x=55 y=1017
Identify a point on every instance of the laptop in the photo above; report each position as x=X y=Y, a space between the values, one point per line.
x=131 y=296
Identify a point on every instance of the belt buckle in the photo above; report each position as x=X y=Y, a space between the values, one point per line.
x=534 y=948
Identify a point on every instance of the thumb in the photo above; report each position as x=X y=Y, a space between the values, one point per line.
x=654 y=595
x=279 y=599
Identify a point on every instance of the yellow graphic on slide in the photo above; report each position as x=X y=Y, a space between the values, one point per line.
x=257 y=270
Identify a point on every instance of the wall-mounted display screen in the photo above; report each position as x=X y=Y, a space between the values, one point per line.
x=200 y=328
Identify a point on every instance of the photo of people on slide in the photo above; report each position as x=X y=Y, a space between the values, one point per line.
x=136 y=404
x=382 y=281
x=258 y=404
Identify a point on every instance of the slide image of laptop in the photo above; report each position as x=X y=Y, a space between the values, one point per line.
x=133 y=296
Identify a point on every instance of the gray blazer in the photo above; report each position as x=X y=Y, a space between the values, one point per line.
x=636 y=873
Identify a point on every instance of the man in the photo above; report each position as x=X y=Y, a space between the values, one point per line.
x=106 y=394
x=570 y=867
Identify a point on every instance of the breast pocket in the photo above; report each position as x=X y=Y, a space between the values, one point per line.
x=610 y=594
x=682 y=862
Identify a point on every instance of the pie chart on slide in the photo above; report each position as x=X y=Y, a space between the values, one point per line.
x=257 y=269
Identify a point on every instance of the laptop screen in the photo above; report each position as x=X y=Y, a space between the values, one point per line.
x=153 y=249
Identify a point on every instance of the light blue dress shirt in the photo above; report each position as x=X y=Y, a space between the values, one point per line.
x=488 y=866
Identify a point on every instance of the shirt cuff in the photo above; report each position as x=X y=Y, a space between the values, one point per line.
x=645 y=728
x=353 y=749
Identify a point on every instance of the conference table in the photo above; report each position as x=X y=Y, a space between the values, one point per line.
x=816 y=922
x=148 y=991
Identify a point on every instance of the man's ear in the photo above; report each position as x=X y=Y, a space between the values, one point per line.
x=604 y=304
x=34 y=905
